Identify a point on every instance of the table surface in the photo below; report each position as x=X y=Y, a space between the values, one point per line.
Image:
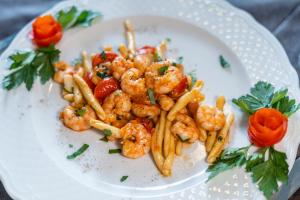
x=279 y=16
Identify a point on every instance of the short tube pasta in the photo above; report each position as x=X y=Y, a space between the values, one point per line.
x=89 y=96
x=103 y=126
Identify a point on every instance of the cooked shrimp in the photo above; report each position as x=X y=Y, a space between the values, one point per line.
x=210 y=118
x=165 y=102
x=132 y=83
x=121 y=121
x=115 y=105
x=141 y=110
x=78 y=119
x=136 y=140
x=62 y=65
x=152 y=72
x=167 y=82
x=119 y=66
x=163 y=83
x=64 y=68
x=185 y=128
x=143 y=61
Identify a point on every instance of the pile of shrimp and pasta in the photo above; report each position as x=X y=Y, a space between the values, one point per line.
x=143 y=100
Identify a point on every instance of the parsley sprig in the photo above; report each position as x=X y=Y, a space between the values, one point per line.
x=267 y=166
x=26 y=66
x=263 y=95
x=73 y=17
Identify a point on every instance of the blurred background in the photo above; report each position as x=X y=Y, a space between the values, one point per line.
x=281 y=17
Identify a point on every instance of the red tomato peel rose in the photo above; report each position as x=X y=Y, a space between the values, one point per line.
x=267 y=126
x=46 y=31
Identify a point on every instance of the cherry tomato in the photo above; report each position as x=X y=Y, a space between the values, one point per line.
x=46 y=30
x=88 y=79
x=105 y=56
x=180 y=88
x=146 y=49
x=147 y=123
x=105 y=87
x=267 y=126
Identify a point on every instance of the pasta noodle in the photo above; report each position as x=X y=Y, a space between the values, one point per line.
x=103 y=126
x=220 y=142
x=89 y=96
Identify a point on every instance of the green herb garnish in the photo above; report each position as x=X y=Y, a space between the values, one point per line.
x=162 y=70
x=73 y=17
x=223 y=62
x=180 y=59
x=193 y=76
x=263 y=95
x=123 y=178
x=107 y=132
x=102 y=75
x=104 y=139
x=80 y=112
x=168 y=39
x=229 y=159
x=82 y=149
x=28 y=65
x=151 y=96
x=266 y=171
x=103 y=55
x=76 y=61
x=112 y=151
x=71 y=145
x=156 y=57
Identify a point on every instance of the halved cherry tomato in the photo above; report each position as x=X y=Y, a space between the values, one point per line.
x=46 y=30
x=146 y=49
x=88 y=79
x=105 y=87
x=267 y=126
x=147 y=123
x=180 y=88
x=105 y=56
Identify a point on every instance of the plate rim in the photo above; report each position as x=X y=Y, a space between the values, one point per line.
x=266 y=34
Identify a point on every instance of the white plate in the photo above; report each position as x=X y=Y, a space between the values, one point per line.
x=34 y=144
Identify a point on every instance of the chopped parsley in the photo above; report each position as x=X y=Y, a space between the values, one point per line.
x=180 y=59
x=77 y=153
x=107 y=132
x=156 y=57
x=151 y=96
x=102 y=74
x=223 y=62
x=71 y=145
x=123 y=178
x=168 y=39
x=162 y=70
x=103 y=55
x=80 y=112
x=112 y=151
x=193 y=76
x=104 y=139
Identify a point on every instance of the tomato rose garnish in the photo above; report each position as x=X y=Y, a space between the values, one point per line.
x=88 y=79
x=146 y=50
x=267 y=126
x=105 y=56
x=46 y=30
x=180 y=88
x=105 y=87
